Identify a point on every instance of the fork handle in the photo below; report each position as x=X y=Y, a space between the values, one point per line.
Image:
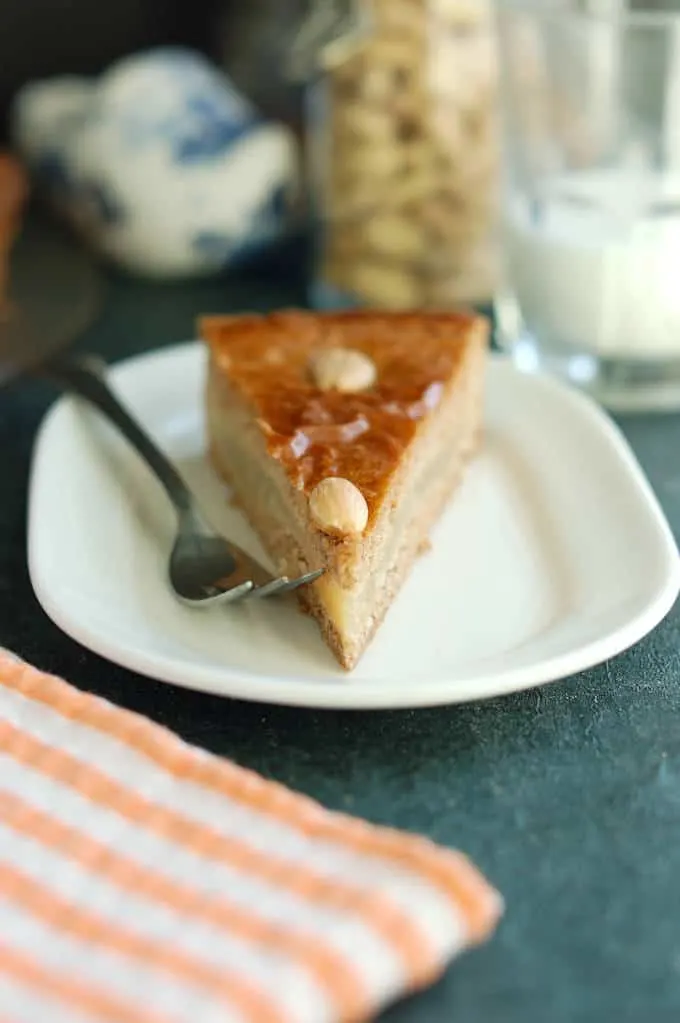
x=84 y=375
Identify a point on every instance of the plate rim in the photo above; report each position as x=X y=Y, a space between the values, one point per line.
x=340 y=694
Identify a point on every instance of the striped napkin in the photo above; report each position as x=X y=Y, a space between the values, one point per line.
x=143 y=880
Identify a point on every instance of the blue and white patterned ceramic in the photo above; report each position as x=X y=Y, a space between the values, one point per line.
x=161 y=163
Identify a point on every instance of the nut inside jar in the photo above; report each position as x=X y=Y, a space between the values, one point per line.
x=405 y=188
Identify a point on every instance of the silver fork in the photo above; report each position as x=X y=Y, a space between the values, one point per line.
x=205 y=568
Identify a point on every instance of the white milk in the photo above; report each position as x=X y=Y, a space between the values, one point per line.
x=596 y=263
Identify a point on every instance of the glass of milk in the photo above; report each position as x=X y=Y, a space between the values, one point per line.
x=591 y=207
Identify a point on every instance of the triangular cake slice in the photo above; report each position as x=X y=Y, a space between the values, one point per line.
x=342 y=435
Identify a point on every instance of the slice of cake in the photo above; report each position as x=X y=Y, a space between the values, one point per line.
x=342 y=436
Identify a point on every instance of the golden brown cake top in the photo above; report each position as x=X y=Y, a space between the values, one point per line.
x=393 y=368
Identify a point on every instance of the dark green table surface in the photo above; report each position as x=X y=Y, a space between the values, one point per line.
x=567 y=796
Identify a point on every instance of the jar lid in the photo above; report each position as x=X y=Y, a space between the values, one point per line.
x=332 y=31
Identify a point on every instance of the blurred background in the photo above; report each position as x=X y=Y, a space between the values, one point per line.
x=371 y=126
x=41 y=38
x=430 y=153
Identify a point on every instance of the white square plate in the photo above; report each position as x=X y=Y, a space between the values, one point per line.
x=552 y=557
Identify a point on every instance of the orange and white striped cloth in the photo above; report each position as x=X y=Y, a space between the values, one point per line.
x=143 y=880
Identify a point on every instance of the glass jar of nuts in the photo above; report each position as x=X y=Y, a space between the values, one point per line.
x=403 y=156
